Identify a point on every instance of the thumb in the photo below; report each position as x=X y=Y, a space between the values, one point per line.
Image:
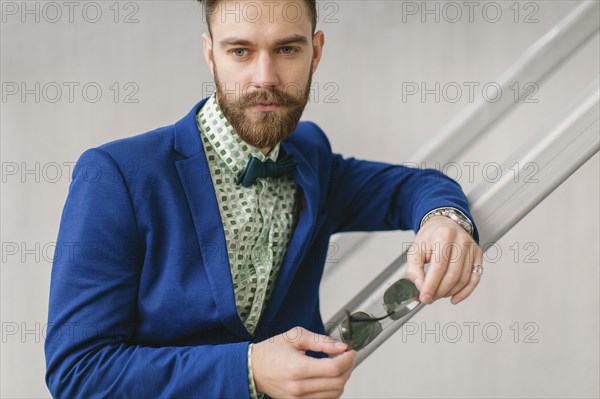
x=415 y=269
x=306 y=340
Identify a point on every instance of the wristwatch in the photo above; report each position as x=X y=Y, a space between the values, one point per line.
x=454 y=214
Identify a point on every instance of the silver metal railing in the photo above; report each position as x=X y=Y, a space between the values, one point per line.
x=536 y=64
x=557 y=152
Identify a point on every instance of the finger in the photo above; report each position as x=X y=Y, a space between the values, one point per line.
x=306 y=340
x=465 y=292
x=464 y=279
x=437 y=268
x=329 y=367
x=326 y=388
x=322 y=387
x=456 y=264
x=471 y=249
x=473 y=281
x=415 y=265
x=312 y=385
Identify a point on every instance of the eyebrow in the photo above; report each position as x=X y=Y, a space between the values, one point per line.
x=234 y=41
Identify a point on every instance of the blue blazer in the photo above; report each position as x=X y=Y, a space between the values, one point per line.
x=141 y=297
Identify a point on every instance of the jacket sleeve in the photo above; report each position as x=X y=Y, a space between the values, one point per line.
x=90 y=343
x=376 y=196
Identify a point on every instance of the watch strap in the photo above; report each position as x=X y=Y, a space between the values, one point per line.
x=453 y=213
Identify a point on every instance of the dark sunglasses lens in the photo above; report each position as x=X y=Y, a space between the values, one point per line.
x=359 y=330
x=397 y=296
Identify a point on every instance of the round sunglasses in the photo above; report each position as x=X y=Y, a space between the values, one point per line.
x=360 y=329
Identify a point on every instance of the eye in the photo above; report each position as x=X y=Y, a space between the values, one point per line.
x=239 y=52
x=288 y=50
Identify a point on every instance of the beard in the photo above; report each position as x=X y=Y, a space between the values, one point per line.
x=262 y=129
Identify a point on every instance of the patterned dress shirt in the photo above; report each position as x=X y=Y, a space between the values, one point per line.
x=258 y=221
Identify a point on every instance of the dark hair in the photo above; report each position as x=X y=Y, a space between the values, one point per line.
x=210 y=5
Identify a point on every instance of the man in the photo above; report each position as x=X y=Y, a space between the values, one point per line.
x=192 y=254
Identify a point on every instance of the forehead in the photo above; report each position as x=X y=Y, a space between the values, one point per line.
x=260 y=20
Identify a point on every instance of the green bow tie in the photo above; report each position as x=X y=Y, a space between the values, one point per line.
x=257 y=169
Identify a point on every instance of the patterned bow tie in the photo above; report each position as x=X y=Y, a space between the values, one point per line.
x=257 y=169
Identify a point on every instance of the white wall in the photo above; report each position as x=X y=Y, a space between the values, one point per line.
x=370 y=54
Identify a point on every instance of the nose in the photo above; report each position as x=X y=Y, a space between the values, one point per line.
x=265 y=75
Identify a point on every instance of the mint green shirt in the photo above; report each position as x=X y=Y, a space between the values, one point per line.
x=258 y=221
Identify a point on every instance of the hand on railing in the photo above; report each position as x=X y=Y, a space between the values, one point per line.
x=455 y=261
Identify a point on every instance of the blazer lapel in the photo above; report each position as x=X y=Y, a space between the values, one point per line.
x=301 y=240
x=199 y=190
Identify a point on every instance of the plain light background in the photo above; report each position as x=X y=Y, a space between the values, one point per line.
x=531 y=329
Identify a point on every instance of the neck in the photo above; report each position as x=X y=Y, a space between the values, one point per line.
x=265 y=150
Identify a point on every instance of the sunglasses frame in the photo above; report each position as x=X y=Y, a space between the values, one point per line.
x=395 y=305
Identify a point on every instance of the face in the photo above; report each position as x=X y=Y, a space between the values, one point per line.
x=262 y=56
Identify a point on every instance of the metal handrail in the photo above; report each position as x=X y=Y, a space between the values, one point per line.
x=536 y=64
x=498 y=206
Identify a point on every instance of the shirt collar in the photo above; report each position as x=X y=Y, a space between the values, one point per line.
x=224 y=139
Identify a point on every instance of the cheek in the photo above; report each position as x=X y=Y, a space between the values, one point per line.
x=295 y=75
x=232 y=74
x=235 y=83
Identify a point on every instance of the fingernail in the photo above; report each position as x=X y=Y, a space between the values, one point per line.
x=426 y=298
x=340 y=344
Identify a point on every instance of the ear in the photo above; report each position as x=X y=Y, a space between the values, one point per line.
x=318 y=43
x=208 y=52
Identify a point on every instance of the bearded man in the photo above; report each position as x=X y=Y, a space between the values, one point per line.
x=196 y=250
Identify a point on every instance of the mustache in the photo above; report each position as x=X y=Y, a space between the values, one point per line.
x=268 y=96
